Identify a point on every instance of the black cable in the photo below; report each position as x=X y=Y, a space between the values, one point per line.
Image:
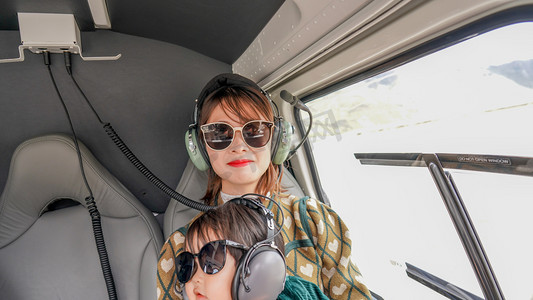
x=47 y=62
x=131 y=157
x=149 y=175
x=89 y=200
x=293 y=151
x=68 y=66
x=297 y=103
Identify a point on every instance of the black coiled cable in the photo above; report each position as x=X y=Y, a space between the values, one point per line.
x=131 y=157
x=89 y=200
x=100 y=246
x=149 y=175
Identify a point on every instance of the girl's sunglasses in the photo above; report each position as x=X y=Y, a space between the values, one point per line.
x=219 y=135
x=211 y=257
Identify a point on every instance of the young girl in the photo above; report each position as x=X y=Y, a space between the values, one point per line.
x=236 y=126
x=217 y=251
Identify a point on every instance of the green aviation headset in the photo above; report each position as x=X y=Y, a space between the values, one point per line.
x=281 y=135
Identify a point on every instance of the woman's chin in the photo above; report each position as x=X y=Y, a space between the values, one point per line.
x=242 y=183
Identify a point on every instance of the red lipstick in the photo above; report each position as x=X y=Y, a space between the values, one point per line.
x=239 y=163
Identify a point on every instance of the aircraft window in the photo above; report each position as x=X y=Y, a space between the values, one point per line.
x=475 y=97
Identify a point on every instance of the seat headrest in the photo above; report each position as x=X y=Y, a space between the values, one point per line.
x=46 y=169
x=193 y=184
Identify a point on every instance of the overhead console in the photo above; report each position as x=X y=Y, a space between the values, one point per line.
x=53 y=33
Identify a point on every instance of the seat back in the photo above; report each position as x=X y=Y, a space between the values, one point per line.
x=193 y=185
x=51 y=253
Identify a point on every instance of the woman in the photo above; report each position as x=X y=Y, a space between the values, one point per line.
x=317 y=243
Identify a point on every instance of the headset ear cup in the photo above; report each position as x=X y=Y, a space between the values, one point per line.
x=275 y=139
x=283 y=143
x=236 y=283
x=193 y=148
x=264 y=274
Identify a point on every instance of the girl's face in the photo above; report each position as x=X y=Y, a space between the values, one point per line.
x=239 y=166
x=203 y=286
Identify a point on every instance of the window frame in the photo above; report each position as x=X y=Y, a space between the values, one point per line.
x=500 y=19
x=503 y=18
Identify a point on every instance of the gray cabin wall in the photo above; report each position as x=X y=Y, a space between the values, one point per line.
x=147 y=96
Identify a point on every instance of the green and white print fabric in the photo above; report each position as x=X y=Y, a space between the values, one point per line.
x=317 y=249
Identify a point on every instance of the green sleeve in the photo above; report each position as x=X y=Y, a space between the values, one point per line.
x=297 y=288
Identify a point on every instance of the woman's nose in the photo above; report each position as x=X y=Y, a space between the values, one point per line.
x=238 y=144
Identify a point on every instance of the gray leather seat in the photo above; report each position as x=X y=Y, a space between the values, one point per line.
x=193 y=184
x=51 y=254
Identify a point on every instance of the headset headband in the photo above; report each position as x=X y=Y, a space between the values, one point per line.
x=264 y=211
x=226 y=80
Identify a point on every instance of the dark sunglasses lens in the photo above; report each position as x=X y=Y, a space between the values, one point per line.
x=257 y=134
x=218 y=135
x=212 y=257
x=185 y=267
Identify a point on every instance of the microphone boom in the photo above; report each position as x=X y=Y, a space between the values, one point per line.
x=297 y=103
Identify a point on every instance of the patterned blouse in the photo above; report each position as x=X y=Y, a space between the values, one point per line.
x=317 y=249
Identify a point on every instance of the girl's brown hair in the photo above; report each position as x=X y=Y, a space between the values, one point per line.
x=233 y=99
x=231 y=221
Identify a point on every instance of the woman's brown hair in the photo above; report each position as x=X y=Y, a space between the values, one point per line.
x=231 y=221
x=232 y=99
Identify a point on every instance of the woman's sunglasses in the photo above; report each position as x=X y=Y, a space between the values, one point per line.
x=219 y=135
x=211 y=257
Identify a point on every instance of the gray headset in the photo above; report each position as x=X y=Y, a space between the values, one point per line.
x=261 y=271
x=281 y=136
